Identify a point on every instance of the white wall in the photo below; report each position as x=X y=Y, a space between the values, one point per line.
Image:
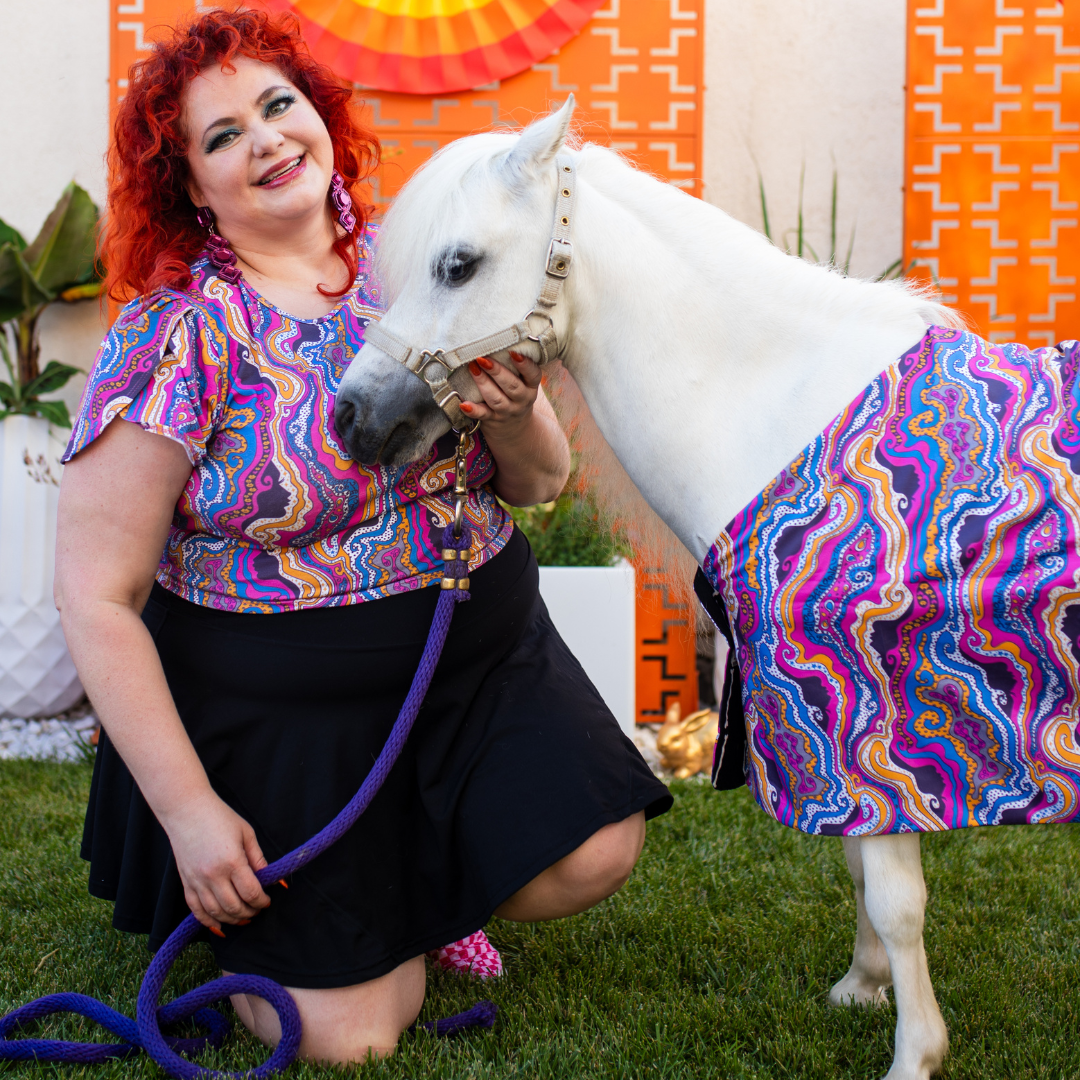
x=54 y=82
x=592 y=607
x=814 y=81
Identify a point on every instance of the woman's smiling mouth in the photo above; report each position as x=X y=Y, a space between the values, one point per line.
x=283 y=173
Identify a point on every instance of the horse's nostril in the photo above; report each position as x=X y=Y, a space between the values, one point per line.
x=344 y=414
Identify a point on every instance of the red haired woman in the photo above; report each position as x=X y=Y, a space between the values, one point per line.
x=246 y=606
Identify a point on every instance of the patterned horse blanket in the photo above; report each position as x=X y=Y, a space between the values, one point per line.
x=905 y=600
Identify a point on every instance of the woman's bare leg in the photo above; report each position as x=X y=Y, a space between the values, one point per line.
x=580 y=880
x=355 y=1022
x=347 y=1024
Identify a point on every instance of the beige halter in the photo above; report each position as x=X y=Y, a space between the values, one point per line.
x=435 y=366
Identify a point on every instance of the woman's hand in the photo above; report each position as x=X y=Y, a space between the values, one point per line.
x=217 y=856
x=508 y=395
x=521 y=430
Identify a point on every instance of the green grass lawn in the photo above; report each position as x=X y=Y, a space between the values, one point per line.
x=715 y=960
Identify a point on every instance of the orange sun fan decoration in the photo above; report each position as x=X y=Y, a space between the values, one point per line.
x=435 y=46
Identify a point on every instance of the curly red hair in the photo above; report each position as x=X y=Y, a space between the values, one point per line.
x=150 y=235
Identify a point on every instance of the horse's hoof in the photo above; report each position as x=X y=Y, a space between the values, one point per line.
x=924 y=1053
x=851 y=990
x=903 y=1073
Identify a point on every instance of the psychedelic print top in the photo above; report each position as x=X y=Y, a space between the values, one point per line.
x=275 y=516
x=905 y=600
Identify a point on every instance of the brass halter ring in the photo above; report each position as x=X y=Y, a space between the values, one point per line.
x=539 y=315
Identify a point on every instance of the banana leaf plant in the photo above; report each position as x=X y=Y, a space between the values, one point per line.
x=58 y=265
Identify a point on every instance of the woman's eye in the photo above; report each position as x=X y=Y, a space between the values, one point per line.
x=224 y=138
x=456 y=267
x=279 y=106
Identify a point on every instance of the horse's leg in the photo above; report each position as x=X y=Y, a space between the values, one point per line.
x=869 y=975
x=896 y=905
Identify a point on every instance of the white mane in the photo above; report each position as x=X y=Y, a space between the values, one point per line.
x=812 y=289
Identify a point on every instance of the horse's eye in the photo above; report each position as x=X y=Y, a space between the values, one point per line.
x=455 y=267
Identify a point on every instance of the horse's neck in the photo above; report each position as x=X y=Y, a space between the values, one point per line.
x=708 y=358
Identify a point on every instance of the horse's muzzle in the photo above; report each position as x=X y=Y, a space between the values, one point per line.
x=387 y=421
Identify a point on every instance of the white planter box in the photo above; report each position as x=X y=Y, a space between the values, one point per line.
x=37 y=676
x=592 y=607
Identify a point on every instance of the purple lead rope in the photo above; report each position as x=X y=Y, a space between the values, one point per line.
x=145 y=1031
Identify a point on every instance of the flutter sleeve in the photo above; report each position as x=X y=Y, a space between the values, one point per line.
x=161 y=367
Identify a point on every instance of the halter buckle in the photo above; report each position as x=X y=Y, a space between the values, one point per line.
x=429 y=357
x=560 y=255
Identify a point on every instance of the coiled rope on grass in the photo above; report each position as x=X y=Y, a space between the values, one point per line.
x=145 y=1031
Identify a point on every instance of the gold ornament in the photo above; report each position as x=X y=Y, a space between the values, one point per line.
x=686 y=746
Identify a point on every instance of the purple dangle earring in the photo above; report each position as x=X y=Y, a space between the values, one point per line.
x=217 y=247
x=342 y=202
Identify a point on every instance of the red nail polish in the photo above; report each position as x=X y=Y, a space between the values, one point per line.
x=215 y=930
x=244 y=922
x=283 y=883
x=474 y=367
x=466 y=407
x=518 y=357
x=485 y=363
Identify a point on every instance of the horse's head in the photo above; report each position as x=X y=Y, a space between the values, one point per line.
x=460 y=255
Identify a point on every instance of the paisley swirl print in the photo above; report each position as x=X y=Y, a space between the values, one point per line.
x=905 y=599
x=276 y=516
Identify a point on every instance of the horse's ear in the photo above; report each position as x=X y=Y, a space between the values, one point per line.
x=540 y=142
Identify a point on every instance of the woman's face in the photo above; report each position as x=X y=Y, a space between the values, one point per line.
x=259 y=154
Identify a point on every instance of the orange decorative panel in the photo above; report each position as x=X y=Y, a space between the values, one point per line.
x=635 y=70
x=992 y=176
x=665 y=645
x=134 y=25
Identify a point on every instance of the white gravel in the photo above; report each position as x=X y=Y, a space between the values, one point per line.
x=645 y=741
x=57 y=738
x=63 y=738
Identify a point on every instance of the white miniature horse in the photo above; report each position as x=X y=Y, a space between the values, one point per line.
x=708 y=359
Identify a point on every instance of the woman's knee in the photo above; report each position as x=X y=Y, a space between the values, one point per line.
x=603 y=864
x=589 y=874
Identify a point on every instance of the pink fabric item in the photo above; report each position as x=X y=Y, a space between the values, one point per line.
x=473 y=955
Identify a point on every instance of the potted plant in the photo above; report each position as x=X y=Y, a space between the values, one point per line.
x=37 y=677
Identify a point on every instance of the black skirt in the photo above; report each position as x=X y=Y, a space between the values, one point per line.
x=514 y=761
